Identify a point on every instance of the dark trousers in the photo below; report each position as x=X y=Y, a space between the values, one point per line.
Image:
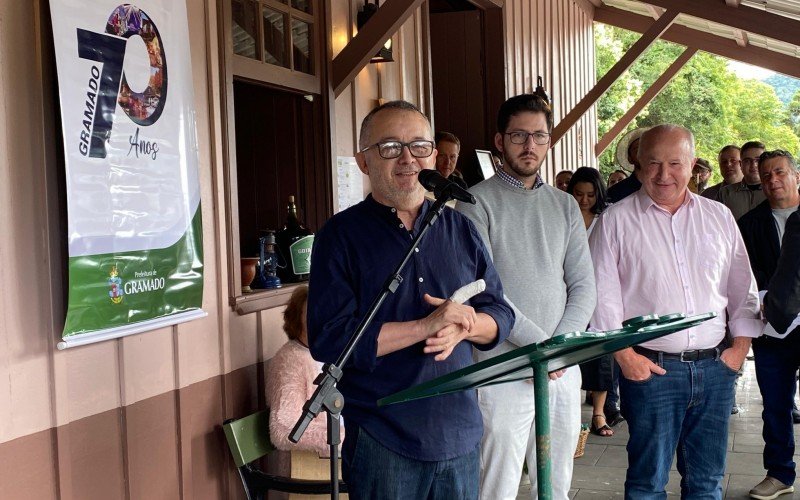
x=777 y=361
x=373 y=472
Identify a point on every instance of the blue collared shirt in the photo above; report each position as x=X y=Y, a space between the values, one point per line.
x=353 y=254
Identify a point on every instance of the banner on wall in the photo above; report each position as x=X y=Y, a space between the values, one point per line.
x=133 y=194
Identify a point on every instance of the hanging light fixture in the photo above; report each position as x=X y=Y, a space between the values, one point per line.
x=541 y=92
x=385 y=52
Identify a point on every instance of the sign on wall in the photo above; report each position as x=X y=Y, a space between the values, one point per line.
x=133 y=195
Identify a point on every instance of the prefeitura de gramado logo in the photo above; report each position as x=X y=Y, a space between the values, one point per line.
x=108 y=87
x=115 y=286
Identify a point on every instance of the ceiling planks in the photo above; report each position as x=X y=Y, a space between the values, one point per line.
x=714 y=44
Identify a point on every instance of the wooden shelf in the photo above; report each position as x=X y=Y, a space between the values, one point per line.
x=263 y=299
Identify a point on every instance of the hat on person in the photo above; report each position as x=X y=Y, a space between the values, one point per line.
x=702 y=163
x=622 y=148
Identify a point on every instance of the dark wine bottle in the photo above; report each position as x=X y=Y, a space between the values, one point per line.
x=294 y=244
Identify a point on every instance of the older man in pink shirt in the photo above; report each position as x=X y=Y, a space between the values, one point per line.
x=665 y=250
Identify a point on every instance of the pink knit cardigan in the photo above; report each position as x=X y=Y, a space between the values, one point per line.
x=290 y=378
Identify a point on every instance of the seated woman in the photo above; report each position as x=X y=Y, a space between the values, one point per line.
x=587 y=187
x=290 y=382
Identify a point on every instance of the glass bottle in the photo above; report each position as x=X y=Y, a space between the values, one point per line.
x=294 y=244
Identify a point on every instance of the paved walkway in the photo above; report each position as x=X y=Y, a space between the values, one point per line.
x=600 y=473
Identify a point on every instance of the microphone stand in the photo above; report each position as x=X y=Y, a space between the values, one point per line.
x=327 y=397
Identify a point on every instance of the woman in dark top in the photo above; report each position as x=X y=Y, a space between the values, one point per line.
x=588 y=189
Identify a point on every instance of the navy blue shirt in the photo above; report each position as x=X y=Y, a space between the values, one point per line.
x=353 y=254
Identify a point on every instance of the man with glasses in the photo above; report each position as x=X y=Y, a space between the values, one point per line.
x=730 y=167
x=777 y=357
x=537 y=239
x=745 y=195
x=426 y=448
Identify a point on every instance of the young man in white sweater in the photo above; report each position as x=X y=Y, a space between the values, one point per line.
x=537 y=239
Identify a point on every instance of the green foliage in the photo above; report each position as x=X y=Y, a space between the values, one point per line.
x=707 y=98
x=793 y=113
x=785 y=87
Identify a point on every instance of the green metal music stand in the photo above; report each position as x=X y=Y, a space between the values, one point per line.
x=537 y=360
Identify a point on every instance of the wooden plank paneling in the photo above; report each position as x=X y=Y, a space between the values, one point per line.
x=625 y=62
x=560 y=48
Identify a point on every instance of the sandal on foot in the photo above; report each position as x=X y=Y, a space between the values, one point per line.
x=602 y=431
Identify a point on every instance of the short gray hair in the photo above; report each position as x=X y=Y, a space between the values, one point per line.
x=364 y=134
x=778 y=153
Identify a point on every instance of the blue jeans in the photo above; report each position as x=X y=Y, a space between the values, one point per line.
x=373 y=472
x=687 y=409
x=777 y=361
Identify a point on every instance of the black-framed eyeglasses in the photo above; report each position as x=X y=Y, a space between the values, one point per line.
x=519 y=137
x=393 y=149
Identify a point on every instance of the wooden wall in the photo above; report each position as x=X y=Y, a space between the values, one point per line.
x=138 y=417
x=554 y=39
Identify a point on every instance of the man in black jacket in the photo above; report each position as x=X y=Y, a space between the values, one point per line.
x=777 y=356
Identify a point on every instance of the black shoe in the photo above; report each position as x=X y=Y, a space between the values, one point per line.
x=613 y=418
x=796 y=415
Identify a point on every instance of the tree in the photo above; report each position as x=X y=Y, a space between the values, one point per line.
x=705 y=97
x=793 y=113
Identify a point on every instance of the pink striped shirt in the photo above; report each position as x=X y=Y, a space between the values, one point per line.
x=647 y=261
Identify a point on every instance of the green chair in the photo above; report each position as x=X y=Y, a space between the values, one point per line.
x=248 y=440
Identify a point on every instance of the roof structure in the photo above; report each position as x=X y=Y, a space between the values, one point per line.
x=764 y=33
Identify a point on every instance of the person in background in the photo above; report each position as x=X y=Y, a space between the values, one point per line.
x=777 y=358
x=537 y=240
x=586 y=186
x=745 y=195
x=617 y=176
x=665 y=250
x=562 y=179
x=629 y=144
x=701 y=172
x=730 y=167
x=449 y=147
x=290 y=382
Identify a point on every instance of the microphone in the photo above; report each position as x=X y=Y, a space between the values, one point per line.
x=433 y=181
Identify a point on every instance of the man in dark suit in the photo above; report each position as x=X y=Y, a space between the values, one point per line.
x=777 y=356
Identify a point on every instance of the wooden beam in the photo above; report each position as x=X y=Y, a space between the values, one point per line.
x=644 y=100
x=357 y=53
x=625 y=62
x=487 y=4
x=741 y=38
x=713 y=44
x=743 y=17
x=655 y=12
